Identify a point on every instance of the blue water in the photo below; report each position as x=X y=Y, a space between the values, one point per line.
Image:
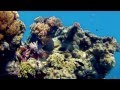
x=101 y=23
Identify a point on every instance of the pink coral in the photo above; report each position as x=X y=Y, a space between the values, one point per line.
x=30 y=51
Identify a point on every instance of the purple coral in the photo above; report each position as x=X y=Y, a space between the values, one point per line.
x=30 y=51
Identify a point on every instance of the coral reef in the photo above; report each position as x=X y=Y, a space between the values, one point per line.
x=11 y=32
x=44 y=28
x=10 y=27
x=57 y=52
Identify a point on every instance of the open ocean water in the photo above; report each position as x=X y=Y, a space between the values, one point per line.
x=101 y=23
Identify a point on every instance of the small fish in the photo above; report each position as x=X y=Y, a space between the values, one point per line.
x=22 y=43
x=6 y=45
x=58 y=32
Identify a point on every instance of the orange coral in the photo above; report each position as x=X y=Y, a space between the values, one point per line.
x=14 y=28
x=41 y=28
x=53 y=21
x=1 y=36
x=6 y=18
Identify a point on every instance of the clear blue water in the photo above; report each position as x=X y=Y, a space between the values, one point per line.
x=107 y=23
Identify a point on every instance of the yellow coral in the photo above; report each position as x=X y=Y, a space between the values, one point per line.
x=26 y=69
x=59 y=61
x=56 y=60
